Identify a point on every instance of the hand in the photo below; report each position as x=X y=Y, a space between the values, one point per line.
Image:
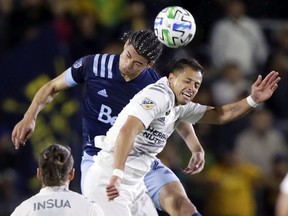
x=23 y=131
x=196 y=163
x=263 y=89
x=112 y=189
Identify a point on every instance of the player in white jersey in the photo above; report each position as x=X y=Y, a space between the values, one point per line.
x=281 y=206
x=143 y=126
x=56 y=171
x=110 y=82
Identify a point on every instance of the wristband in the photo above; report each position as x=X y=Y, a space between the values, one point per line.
x=119 y=173
x=251 y=102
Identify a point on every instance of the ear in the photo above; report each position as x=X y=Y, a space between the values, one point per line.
x=170 y=77
x=150 y=64
x=39 y=174
x=71 y=175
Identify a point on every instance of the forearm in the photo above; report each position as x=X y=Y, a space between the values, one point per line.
x=197 y=160
x=226 y=113
x=187 y=133
x=44 y=96
x=234 y=111
x=125 y=141
x=123 y=147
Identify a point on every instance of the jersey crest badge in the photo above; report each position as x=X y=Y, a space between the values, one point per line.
x=148 y=103
x=78 y=63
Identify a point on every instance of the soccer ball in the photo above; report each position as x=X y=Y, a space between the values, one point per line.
x=174 y=26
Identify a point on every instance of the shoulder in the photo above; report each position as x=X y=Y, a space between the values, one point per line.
x=160 y=86
x=96 y=59
x=222 y=23
x=250 y=23
x=160 y=93
x=153 y=74
x=23 y=208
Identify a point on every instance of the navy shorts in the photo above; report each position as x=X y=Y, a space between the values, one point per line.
x=156 y=178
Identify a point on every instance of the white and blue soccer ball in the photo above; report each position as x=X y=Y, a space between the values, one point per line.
x=174 y=26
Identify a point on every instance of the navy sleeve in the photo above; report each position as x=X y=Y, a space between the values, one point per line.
x=81 y=67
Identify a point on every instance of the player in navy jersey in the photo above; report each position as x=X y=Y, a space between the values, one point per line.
x=110 y=82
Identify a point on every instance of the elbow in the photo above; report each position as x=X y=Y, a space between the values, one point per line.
x=223 y=121
x=125 y=131
x=224 y=117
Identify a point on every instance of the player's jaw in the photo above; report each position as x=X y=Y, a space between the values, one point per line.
x=185 y=96
x=131 y=63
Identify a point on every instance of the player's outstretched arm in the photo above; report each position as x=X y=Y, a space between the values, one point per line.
x=24 y=129
x=261 y=90
x=197 y=160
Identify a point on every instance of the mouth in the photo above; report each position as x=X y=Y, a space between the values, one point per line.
x=187 y=96
x=123 y=70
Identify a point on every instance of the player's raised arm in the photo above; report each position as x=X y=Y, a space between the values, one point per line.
x=261 y=90
x=24 y=129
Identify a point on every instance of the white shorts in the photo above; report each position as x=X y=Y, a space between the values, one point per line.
x=155 y=179
x=132 y=191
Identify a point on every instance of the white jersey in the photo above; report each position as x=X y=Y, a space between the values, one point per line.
x=57 y=201
x=155 y=107
x=284 y=185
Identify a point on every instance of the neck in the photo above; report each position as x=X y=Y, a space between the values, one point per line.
x=66 y=184
x=129 y=77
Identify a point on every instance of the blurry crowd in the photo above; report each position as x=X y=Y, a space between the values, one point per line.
x=236 y=40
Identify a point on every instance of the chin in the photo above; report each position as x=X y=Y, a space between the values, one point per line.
x=183 y=102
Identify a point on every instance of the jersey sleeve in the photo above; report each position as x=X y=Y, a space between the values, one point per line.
x=69 y=78
x=150 y=105
x=192 y=112
x=78 y=72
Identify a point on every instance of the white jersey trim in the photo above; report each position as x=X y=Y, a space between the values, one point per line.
x=69 y=79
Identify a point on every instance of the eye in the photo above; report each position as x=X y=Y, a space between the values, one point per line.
x=128 y=55
x=138 y=64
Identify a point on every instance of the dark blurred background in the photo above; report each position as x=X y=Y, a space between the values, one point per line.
x=235 y=41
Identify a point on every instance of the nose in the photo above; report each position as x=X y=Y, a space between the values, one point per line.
x=129 y=64
x=192 y=88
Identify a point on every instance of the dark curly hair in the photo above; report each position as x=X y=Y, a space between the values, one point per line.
x=55 y=163
x=145 y=43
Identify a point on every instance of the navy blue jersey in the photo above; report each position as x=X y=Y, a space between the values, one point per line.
x=106 y=93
